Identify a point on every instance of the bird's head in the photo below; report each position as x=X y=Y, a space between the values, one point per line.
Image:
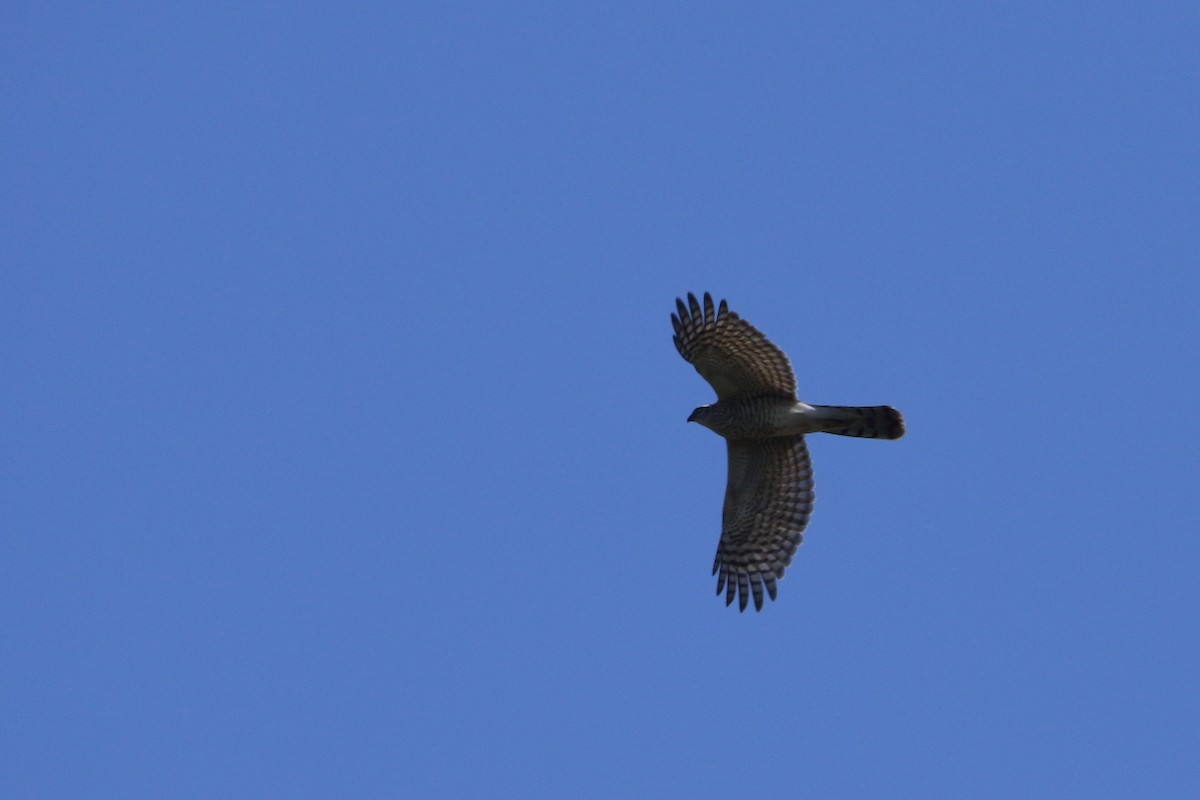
x=705 y=415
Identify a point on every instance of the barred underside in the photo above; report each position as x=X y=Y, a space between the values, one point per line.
x=755 y=417
x=768 y=502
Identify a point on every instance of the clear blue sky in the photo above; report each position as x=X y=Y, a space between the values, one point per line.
x=343 y=440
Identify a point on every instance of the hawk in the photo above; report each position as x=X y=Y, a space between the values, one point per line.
x=769 y=494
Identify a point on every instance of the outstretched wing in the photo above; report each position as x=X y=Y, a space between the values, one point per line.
x=768 y=501
x=730 y=353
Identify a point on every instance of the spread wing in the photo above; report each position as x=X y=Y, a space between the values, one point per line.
x=730 y=353
x=768 y=501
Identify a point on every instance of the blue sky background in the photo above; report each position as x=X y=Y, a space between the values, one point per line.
x=343 y=440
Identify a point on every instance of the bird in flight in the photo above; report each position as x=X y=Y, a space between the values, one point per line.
x=769 y=493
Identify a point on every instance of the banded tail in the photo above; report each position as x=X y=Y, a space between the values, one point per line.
x=868 y=422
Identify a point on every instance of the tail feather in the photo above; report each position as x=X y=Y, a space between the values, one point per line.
x=869 y=422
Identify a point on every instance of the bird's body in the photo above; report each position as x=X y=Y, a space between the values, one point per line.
x=767 y=417
x=769 y=494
